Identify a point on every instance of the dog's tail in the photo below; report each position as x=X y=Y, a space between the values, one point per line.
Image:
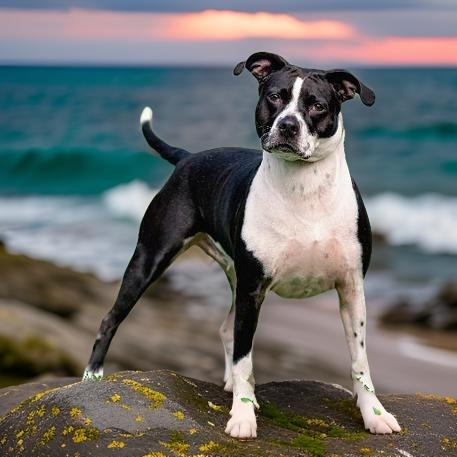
x=170 y=153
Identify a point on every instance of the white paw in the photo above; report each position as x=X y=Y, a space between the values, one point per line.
x=93 y=375
x=242 y=424
x=376 y=418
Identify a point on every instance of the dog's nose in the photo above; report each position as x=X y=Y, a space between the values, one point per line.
x=289 y=126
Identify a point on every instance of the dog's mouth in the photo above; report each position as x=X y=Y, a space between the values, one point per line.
x=282 y=147
x=285 y=151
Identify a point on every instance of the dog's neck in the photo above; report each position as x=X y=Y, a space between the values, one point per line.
x=301 y=180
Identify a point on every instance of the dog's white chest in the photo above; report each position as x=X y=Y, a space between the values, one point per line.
x=302 y=226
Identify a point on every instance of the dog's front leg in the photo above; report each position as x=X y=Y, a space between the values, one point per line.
x=353 y=315
x=249 y=298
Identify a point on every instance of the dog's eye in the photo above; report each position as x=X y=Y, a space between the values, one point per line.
x=317 y=107
x=274 y=97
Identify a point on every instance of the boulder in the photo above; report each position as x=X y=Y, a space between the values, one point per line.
x=439 y=312
x=160 y=413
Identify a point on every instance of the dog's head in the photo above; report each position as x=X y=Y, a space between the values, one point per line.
x=299 y=108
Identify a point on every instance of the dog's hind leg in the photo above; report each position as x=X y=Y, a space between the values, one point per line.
x=226 y=329
x=160 y=240
x=353 y=315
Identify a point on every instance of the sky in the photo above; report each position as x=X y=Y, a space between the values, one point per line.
x=203 y=32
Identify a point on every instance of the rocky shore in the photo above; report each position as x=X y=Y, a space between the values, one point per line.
x=161 y=413
x=439 y=312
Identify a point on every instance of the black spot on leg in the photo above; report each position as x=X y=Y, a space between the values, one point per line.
x=355 y=334
x=361 y=343
x=361 y=373
x=361 y=323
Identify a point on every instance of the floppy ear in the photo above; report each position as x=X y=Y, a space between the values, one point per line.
x=261 y=64
x=347 y=85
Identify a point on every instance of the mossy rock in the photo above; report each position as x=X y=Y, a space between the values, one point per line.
x=160 y=413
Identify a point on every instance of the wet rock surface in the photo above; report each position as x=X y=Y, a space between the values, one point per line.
x=160 y=413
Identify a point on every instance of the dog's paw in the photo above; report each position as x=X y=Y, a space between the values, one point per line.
x=93 y=375
x=376 y=419
x=242 y=425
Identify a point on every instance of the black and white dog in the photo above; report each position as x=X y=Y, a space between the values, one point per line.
x=288 y=219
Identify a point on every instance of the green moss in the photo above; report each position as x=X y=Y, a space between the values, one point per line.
x=32 y=356
x=299 y=423
x=312 y=432
x=314 y=446
x=345 y=406
x=189 y=392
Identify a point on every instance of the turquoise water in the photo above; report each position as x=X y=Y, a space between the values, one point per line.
x=76 y=170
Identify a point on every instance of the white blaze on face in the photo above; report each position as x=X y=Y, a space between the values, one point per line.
x=305 y=141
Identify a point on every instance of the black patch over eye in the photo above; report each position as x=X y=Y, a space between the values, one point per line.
x=317 y=107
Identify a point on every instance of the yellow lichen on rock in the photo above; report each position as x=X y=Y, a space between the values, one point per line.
x=179 y=415
x=115 y=398
x=74 y=412
x=85 y=434
x=180 y=447
x=67 y=430
x=48 y=435
x=116 y=445
x=156 y=398
x=210 y=446
x=215 y=407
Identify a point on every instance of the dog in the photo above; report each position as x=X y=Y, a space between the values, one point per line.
x=288 y=218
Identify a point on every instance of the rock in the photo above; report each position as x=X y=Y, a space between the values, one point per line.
x=33 y=342
x=46 y=286
x=440 y=312
x=160 y=413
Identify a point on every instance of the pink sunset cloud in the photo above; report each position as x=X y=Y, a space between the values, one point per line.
x=205 y=25
x=324 y=39
x=235 y=25
x=390 y=51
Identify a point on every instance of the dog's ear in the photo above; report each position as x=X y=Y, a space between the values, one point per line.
x=347 y=85
x=261 y=64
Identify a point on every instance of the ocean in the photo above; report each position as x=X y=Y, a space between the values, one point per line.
x=76 y=174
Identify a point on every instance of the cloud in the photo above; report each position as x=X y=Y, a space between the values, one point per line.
x=206 y=25
x=237 y=5
x=403 y=51
x=209 y=37
x=235 y=25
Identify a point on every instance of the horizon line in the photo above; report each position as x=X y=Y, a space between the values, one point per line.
x=197 y=65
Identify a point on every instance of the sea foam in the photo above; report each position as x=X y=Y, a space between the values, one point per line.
x=129 y=200
x=428 y=220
